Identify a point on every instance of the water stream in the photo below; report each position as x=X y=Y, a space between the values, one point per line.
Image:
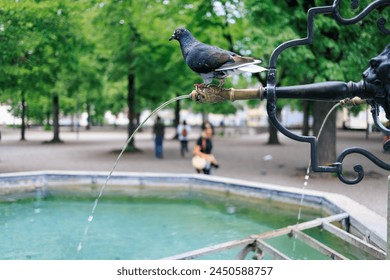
x=90 y=217
x=307 y=175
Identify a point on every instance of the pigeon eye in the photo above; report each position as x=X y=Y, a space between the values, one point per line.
x=374 y=63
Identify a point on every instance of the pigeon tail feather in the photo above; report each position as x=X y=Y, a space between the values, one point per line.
x=252 y=68
x=239 y=62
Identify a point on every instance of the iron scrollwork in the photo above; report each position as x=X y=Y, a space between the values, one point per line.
x=374 y=87
x=354 y=4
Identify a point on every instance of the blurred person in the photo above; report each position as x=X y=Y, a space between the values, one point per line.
x=222 y=128
x=203 y=158
x=183 y=130
x=158 y=131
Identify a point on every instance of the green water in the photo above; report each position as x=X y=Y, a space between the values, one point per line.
x=128 y=227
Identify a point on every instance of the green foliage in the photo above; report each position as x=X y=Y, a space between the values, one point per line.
x=41 y=46
x=84 y=50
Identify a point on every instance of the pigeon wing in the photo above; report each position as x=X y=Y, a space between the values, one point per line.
x=241 y=62
x=205 y=59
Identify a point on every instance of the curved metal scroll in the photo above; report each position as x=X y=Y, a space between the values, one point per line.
x=374 y=5
x=271 y=92
x=358 y=168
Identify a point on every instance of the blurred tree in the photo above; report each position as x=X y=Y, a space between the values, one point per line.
x=133 y=53
x=41 y=45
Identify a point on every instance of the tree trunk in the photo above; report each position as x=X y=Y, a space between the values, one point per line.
x=23 y=117
x=138 y=120
x=273 y=132
x=88 y=127
x=56 y=120
x=327 y=140
x=48 y=117
x=177 y=116
x=205 y=117
x=131 y=106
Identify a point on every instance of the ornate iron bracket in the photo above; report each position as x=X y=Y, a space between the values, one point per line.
x=375 y=88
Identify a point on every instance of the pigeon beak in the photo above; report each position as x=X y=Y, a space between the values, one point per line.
x=172 y=37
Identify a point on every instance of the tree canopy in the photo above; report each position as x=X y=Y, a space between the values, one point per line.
x=85 y=51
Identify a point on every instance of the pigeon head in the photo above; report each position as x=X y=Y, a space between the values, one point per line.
x=185 y=38
x=179 y=33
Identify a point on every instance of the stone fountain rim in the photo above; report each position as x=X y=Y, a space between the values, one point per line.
x=363 y=219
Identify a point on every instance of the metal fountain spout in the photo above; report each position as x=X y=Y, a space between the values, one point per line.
x=326 y=91
x=215 y=94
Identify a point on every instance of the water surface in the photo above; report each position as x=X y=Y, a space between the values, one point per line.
x=136 y=227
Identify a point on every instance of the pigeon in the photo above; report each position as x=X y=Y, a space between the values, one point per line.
x=211 y=62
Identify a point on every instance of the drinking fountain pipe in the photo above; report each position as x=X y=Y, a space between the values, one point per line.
x=325 y=91
x=215 y=94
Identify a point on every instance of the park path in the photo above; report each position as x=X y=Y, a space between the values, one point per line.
x=241 y=155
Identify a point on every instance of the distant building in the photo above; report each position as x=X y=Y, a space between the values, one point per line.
x=6 y=117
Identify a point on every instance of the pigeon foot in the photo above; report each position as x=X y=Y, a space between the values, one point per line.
x=200 y=92
x=221 y=82
x=209 y=94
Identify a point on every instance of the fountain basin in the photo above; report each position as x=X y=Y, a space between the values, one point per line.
x=363 y=222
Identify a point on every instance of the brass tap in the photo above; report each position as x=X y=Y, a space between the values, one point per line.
x=215 y=94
